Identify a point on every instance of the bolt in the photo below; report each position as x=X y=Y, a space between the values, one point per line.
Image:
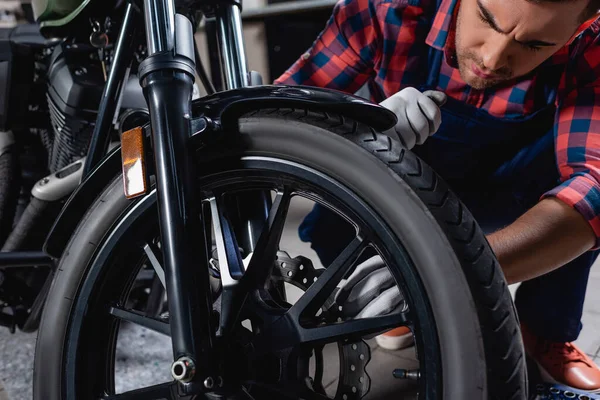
x=44 y=181
x=413 y=375
x=183 y=370
x=209 y=382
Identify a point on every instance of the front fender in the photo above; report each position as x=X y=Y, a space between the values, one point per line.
x=80 y=201
x=225 y=107
x=229 y=105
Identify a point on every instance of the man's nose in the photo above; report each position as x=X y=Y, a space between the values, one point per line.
x=495 y=54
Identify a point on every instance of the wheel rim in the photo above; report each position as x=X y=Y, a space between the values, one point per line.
x=290 y=331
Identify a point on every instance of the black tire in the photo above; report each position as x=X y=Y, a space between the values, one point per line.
x=481 y=350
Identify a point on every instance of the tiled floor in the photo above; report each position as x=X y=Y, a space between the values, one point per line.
x=147 y=357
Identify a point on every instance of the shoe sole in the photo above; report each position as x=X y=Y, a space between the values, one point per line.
x=395 y=342
x=546 y=377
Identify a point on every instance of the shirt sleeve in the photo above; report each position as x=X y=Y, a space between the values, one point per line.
x=359 y=35
x=577 y=141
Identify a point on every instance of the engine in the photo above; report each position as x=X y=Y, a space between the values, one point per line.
x=75 y=86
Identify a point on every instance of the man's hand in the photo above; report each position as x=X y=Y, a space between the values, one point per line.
x=418 y=114
x=370 y=291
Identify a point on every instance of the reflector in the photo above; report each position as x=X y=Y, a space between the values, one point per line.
x=134 y=163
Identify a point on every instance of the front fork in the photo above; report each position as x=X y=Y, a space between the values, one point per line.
x=167 y=77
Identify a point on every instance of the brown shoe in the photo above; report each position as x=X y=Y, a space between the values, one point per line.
x=562 y=363
x=396 y=339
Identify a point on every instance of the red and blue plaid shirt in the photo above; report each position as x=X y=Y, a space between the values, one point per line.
x=384 y=41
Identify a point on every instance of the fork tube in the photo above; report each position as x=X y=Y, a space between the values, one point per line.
x=231 y=46
x=167 y=76
x=160 y=25
x=214 y=59
x=251 y=210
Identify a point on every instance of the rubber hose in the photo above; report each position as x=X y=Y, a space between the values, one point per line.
x=9 y=192
x=30 y=221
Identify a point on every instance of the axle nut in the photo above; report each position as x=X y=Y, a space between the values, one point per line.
x=209 y=383
x=183 y=370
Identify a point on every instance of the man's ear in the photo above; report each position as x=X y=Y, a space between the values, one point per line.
x=584 y=26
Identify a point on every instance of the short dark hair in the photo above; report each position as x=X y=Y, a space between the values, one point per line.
x=592 y=8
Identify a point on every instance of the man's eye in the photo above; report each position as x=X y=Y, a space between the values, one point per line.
x=483 y=18
x=531 y=47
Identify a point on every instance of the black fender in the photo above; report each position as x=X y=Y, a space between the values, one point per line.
x=80 y=201
x=227 y=106
x=223 y=109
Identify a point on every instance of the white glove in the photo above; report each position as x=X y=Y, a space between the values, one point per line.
x=419 y=114
x=370 y=291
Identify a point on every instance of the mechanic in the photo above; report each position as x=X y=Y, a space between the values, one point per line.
x=518 y=140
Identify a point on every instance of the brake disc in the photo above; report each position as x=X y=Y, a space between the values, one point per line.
x=298 y=271
x=354 y=381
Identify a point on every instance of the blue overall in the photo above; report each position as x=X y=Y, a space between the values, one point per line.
x=499 y=167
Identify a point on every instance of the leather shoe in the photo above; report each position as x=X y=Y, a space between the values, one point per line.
x=562 y=363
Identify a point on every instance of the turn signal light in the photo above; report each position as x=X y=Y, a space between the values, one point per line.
x=135 y=182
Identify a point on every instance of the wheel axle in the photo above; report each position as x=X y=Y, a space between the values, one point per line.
x=183 y=370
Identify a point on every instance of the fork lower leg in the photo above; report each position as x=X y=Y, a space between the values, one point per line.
x=167 y=79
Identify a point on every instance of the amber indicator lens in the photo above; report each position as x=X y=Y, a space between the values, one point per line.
x=134 y=164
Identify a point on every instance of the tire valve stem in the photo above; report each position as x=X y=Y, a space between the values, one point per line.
x=410 y=374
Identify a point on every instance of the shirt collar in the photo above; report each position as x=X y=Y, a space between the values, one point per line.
x=442 y=22
x=441 y=34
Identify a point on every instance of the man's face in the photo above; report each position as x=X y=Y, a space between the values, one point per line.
x=497 y=40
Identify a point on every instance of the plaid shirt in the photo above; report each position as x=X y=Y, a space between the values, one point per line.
x=387 y=41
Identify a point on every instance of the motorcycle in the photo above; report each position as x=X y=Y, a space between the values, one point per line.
x=128 y=200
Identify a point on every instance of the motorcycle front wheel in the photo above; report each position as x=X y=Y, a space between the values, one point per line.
x=457 y=304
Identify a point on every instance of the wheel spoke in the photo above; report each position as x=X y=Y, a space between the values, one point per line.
x=156 y=298
x=142 y=320
x=287 y=332
x=165 y=391
x=244 y=394
x=153 y=256
x=319 y=291
x=352 y=329
x=265 y=252
x=259 y=268
x=231 y=265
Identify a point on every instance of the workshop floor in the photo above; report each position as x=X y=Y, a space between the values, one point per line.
x=146 y=358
